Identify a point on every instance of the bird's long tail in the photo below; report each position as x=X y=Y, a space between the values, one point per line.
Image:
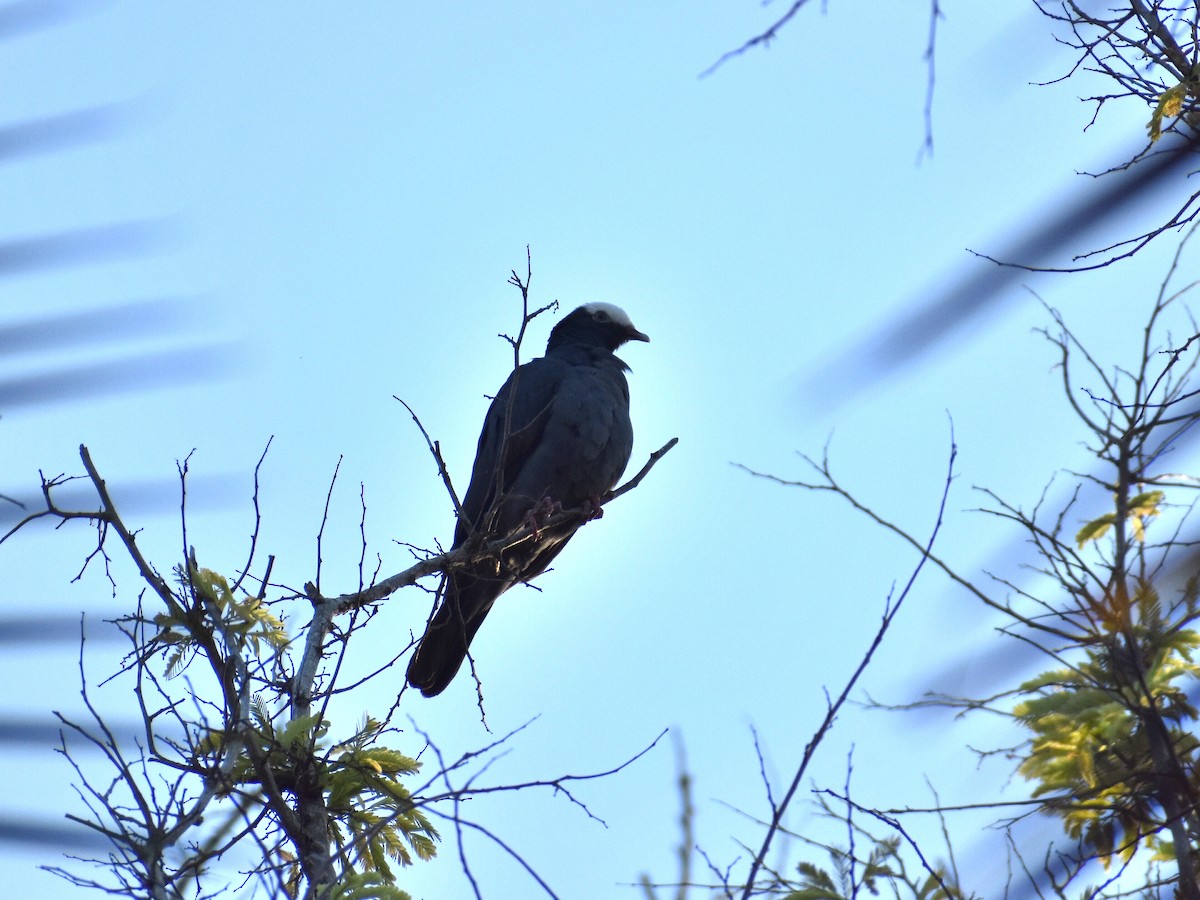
x=440 y=655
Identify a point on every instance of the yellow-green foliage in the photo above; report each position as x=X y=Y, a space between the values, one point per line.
x=1139 y=510
x=367 y=798
x=247 y=619
x=372 y=816
x=1170 y=104
x=1090 y=755
x=365 y=886
x=882 y=873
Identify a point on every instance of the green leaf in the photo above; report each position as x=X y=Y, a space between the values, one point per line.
x=363 y=886
x=1138 y=509
x=1095 y=529
x=1170 y=104
x=299 y=732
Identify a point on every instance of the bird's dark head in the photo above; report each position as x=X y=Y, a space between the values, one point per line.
x=595 y=325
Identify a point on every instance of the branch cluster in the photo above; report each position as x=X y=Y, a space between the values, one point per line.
x=236 y=760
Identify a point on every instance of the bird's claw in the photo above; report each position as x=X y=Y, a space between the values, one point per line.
x=543 y=509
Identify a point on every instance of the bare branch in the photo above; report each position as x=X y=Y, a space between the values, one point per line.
x=891 y=609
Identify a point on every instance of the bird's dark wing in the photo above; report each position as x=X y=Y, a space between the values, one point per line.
x=558 y=429
x=512 y=429
x=585 y=441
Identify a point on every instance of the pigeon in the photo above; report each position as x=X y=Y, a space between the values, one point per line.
x=557 y=435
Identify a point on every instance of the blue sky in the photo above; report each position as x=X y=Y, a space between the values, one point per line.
x=342 y=195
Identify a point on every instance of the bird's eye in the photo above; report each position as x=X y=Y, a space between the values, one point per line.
x=600 y=316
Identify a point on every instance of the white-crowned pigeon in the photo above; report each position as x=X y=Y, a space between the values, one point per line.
x=556 y=435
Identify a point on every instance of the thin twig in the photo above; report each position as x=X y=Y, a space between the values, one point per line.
x=890 y=611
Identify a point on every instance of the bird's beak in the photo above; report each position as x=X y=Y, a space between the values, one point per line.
x=634 y=335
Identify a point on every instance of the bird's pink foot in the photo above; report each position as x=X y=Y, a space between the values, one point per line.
x=542 y=510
